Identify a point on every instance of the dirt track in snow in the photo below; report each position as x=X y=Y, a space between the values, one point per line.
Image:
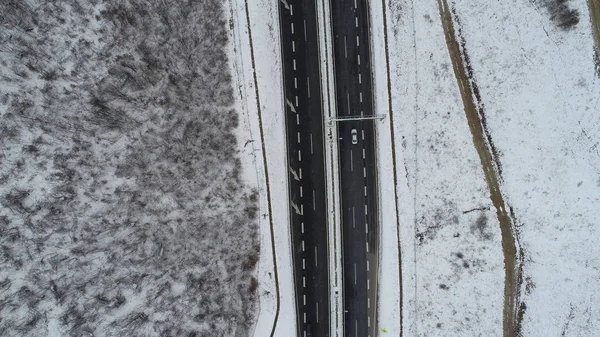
x=594 y=6
x=474 y=110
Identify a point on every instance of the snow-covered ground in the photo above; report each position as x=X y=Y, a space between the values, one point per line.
x=389 y=299
x=122 y=211
x=264 y=28
x=451 y=258
x=541 y=100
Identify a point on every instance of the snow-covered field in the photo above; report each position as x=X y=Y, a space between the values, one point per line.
x=542 y=101
x=541 y=98
x=450 y=238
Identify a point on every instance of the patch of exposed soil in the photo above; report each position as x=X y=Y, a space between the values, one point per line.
x=594 y=6
x=474 y=110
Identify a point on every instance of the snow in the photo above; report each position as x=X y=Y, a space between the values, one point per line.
x=122 y=209
x=452 y=274
x=542 y=101
x=264 y=25
x=389 y=287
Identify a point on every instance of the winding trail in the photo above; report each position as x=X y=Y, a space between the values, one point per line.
x=474 y=108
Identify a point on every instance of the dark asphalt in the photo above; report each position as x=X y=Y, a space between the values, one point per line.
x=304 y=128
x=352 y=66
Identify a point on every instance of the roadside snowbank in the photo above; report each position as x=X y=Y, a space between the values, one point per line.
x=264 y=25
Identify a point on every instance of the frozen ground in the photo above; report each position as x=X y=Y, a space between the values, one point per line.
x=123 y=212
x=274 y=226
x=450 y=239
x=542 y=95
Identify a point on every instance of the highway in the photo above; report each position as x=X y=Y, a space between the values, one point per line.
x=305 y=155
x=352 y=71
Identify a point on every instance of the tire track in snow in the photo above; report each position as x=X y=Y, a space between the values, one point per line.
x=473 y=106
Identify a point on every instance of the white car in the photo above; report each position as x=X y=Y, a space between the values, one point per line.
x=354 y=135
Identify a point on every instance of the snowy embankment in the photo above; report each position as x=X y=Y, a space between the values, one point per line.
x=277 y=316
x=452 y=270
x=542 y=100
x=389 y=307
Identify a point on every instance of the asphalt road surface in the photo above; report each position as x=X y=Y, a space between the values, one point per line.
x=357 y=166
x=304 y=128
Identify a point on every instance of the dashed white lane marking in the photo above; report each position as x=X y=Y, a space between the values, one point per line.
x=301 y=208
x=363 y=153
x=369 y=321
x=299 y=155
x=305 y=30
x=303 y=261
x=304 y=299
x=366 y=210
x=293 y=46
x=302 y=227
x=291 y=9
x=305 y=318
x=299 y=138
x=368 y=284
x=311 y=144
x=355 y=4
x=295 y=83
x=365 y=191
x=300 y=173
x=314 y=201
x=356 y=21
x=303 y=282
x=353 y=219
x=316 y=259
x=357 y=41
x=363 y=134
x=356 y=327
x=308 y=85
x=351 y=162
x=367 y=265
x=366 y=228
x=364 y=172
x=359 y=79
x=296 y=101
x=297 y=119
x=367 y=246
x=360 y=96
x=355 y=273
x=294 y=64
x=317 y=312
x=368 y=302
x=345 y=47
x=292 y=24
x=358 y=59
x=300 y=191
